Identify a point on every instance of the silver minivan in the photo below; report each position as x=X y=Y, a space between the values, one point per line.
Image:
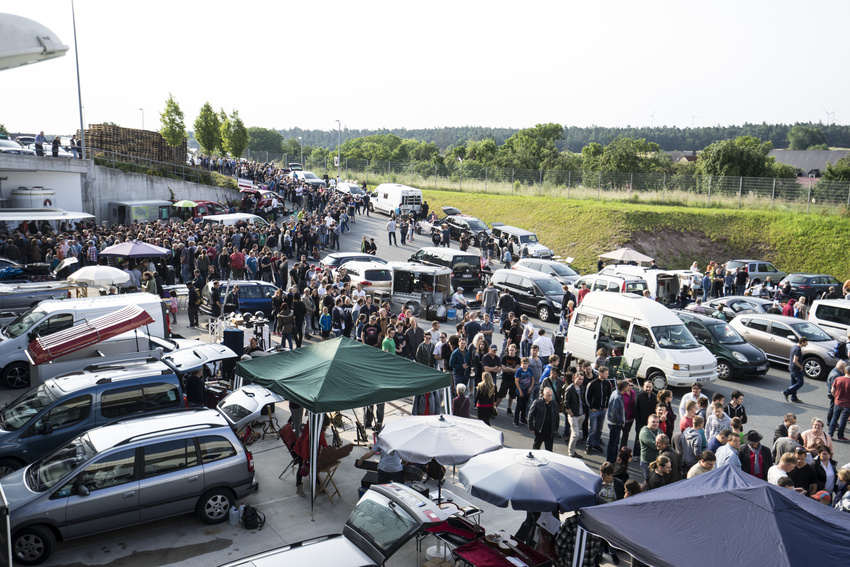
x=135 y=471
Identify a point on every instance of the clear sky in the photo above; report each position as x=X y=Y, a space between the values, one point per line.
x=388 y=64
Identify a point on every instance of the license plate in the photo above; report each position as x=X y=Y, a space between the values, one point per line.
x=762 y=367
x=701 y=380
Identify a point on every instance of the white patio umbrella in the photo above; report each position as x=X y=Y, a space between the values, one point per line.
x=185 y=203
x=449 y=439
x=536 y=481
x=624 y=255
x=99 y=275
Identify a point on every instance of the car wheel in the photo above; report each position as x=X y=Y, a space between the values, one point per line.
x=724 y=370
x=33 y=545
x=658 y=380
x=813 y=367
x=544 y=313
x=755 y=282
x=214 y=506
x=16 y=376
x=8 y=466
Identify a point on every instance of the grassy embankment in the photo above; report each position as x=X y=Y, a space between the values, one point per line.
x=675 y=236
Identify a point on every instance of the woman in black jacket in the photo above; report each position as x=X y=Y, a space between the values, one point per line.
x=657 y=469
x=826 y=469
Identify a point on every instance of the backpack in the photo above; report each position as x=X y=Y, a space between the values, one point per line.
x=252 y=519
x=839 y=351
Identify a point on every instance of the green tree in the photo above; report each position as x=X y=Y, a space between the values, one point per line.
x=803 y=137
x=234 y=134
x=745 y=156
x=265 y=140
x=532 y=148
x=838 y=172
x=173 y=129
x=3 y=129
x=208 y=129
x=292 y=148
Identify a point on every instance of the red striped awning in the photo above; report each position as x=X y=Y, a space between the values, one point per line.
x=81 y=335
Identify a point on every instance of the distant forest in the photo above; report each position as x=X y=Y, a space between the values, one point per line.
x=667 y=137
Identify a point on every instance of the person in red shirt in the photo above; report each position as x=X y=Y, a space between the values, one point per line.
x=302 y=452
x=237 y=265
x=841 y=394
x=582 y=292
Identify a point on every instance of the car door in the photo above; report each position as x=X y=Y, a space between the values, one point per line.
x=171 y=479
x=640 y=344
x=523 y=291
x=246 y=404
x=755 y=331
x=67 y=419
x=104 y=495
x=778 y=344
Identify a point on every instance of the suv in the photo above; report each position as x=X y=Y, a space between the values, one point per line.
x=254 y=295
x=535 y=293
x=740 y=304
x=735 y=356
x=460 y=224
x=522 y=236
x=558 y=270
x=337 y=259
x=133 y=471
x=465 y=266
x=373 y=276
x=810 y=286
x=777 y=334
x=832 y=315
x=309 y=177
x=757 y=270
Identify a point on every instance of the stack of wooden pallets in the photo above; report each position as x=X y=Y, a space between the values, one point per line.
x=132 y=142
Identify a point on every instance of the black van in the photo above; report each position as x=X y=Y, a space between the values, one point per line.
x=465 y=266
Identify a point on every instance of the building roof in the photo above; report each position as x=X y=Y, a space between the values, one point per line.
x=806 y=160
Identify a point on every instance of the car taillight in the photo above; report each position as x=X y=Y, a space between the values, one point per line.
x=624 y=287
x=69 y=293
x=804 y=287
x=364 y=282
x=250 y=461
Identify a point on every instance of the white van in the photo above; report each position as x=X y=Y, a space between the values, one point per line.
x=831 y=315
x=664 y=286
x=231 y=219
x=51 y=316
x=396 y=197
x=639 y=327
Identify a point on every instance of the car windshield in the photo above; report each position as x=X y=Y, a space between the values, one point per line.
x=636 y=287
x=725 y=335
x=811 y=332
x=378 y=275
x=550 y=287
x=18 y=413
x=528 y=239
x=476 y=225
x=563 y=270
x=308 y=175
x=466 y=263
x=10 y=144
x=356 y=191
x=46 y=472
x=24 y=322
x=676 y=337
x=382 y=522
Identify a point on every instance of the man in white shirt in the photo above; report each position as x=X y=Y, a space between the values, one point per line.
x=391 y=228
x=527 y=335
x=544 y=344
x=442 y=352
x=695 y=395
x=786 y=464
x=458 y=301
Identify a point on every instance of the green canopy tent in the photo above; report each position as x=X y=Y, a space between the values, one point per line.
x=340 y=374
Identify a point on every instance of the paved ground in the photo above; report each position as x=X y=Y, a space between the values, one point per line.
x=185 y=541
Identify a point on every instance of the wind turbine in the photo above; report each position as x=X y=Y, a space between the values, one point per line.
x=830 y=114
x=693 y=118
x=652 y=117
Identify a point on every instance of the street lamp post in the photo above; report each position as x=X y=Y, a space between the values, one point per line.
x=338 y=149
x=460 y=159
x=79 y=93
x=143 y=118
x=301 y=141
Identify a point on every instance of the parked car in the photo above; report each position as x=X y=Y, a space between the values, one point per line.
x=738 y=304
x=757 y=270
x=609 y=282
x=254 y=295
x=736 y=358
x=777 y=334
x=832 y=315
x=337 y=259
x=14 y=272
x=460 y=224
x=373 y=276
x=522 y=237
x=10 y=147
x=309 y=177
x=17 y=298
x=663 y=285
x=810 y=286
x=552 y=268
x=134 y=471
x=535 y=293
x=465 y=266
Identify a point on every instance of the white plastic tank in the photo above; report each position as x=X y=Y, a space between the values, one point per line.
x=32 y=198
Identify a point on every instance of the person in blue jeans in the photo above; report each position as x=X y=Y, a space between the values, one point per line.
x=597 y=394
x=524 y=379
x=795 y=367
x=616 y=419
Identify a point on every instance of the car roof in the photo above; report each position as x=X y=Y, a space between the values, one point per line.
x=365 y=265
x=131 y=430
x=533 y=275
x=809 y=275
x=759 y=300
x=701 y=317
x=451 y=251
x=74 y=381
x=509 y=228
x=543 y=261
x=771 y=317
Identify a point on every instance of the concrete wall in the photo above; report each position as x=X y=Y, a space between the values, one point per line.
x=108 y=184
x=82 y=186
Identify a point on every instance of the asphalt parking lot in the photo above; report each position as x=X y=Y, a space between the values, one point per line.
x=186 y=541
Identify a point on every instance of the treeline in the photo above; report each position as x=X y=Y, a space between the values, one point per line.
x=668 y=138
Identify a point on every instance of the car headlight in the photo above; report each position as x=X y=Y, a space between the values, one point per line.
x=557 y=304
x=684 y=367
x=739 y=356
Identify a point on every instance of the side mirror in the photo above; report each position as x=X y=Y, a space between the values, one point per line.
x=82 y=491
x=268 y=295
x=31 y=337
x=792 y=338
x=46 y=428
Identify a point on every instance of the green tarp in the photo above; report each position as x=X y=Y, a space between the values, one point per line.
x=341 y=374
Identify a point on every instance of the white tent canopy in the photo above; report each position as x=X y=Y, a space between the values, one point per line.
x=625 y=255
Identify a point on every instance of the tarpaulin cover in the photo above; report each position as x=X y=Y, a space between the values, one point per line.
x=723 y=517
x=341 y=374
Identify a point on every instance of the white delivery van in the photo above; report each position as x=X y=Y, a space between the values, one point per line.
x=831 y=315
x=51 y=316
x=635 y=326
x=231 y=219
x=664 y=286
x=396 y=197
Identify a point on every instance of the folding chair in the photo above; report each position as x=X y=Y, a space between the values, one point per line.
x=287 y=435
